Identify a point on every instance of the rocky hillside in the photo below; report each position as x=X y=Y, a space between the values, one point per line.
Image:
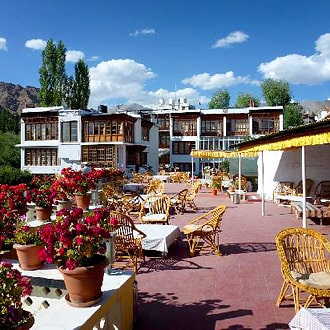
x=15 y=97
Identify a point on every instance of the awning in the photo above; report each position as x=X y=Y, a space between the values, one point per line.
x=306 y=135
x=221 y=154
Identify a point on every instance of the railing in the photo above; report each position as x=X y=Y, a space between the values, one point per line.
x=48 y=303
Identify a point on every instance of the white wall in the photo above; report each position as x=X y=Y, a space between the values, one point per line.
x=286 y=166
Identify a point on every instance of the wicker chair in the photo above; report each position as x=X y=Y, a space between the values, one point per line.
x=155 y=209
x=128 y=241
x=205 y=229
x=322 y=192
x=155 y=187
x=191 y=195
x=304 y=255
x=178 y=201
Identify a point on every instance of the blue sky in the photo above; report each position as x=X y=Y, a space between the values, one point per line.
x=140 y=51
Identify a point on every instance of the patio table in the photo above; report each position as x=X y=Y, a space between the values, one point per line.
x=311 y=319
x=159 y=237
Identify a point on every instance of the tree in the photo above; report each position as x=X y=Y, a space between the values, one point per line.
x=293 y=115
x=246 y=100
x=80 y=86
x=52 y=74
x=9 y=154
x=220 y=99
x=276 y=92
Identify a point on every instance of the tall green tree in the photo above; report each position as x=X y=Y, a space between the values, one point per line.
x=220 y=99
x=9 y=154
x=52 y=74
x=293 y=115
x=246 y=100
x=276 y=92
x=80 y=86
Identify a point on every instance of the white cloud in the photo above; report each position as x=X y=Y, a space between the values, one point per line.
x=300 y=69
x=74 y=55
x=122 y=78
x=236 y=37
x=142 y=31
x=206 y=81
x=36 y=44
x=3 y=44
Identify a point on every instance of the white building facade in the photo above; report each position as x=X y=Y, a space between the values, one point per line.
x=53 y=138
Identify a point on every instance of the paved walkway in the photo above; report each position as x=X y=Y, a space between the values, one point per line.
x=235 y=291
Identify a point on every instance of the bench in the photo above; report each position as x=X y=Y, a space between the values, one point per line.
x=312 y=211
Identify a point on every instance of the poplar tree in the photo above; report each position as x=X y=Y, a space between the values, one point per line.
x=52 y=74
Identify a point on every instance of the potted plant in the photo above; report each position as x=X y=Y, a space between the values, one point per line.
x=76 y=244
x=43 y=199
x=14 y=286
x=78 y=184
x=215 y=186
x=27 y=243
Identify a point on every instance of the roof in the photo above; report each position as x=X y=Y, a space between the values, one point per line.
x=312 y=134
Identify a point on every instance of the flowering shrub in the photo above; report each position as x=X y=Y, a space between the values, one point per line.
x=75 y=182
x=14 y=286
x=42 y=181
x=107 y=173
x=25 y=235
x=13 y=198
x=41 y=197
x=73 y=239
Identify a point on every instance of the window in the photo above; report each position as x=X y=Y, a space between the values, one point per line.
x=69 y=130
x=212 y=127
x=184 y=127
x=102 y=154
x=41 y=157
x=145 y=134
x=164 y=140
x=183 y=148
x=40 y=129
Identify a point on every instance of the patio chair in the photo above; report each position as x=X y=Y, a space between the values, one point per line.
x=298 y=189
x=178 y=201
x=128 y=241
x=155 y=209
x=155 y=187
x=205 y=229
x=191 y=194
x=322 y=192
x=304 y=255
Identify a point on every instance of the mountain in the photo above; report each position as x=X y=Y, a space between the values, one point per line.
x=15 y=97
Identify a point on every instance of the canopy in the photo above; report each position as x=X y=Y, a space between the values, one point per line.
x=221 y=154
x=299 y=137
x=307 y=135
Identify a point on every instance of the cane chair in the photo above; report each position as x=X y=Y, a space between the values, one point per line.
x=304 y=254
x=178 y=201
x=128 y=241
x=298 y=189
x=322 y=192
x=205 y=229
x=155 y=209
x=155 y=187
x=191 y=194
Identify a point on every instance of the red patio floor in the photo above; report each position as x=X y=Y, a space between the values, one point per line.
x=235 y=291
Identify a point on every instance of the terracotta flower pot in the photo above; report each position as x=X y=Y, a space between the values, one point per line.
x=84 y=284
x=28 y=256
x=43 y=213
x=83 y=201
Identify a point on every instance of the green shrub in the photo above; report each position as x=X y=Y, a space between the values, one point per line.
x=13 y=176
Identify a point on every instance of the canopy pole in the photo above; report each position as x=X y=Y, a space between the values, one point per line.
x=239 y=173
x=192 y=169
x=262 y=184
x=303 y=177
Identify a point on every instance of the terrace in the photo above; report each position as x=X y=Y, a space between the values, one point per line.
x=237 y=290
